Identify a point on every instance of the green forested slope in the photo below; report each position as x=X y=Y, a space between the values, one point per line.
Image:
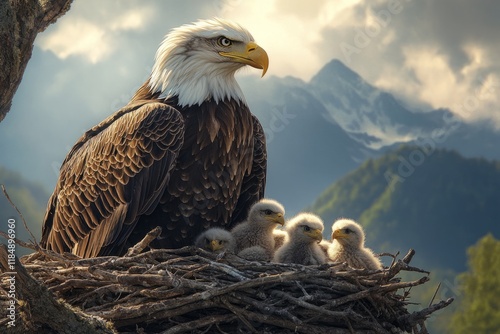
x=29 y=197
x=436 y=202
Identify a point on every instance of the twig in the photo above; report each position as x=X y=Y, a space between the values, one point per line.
x=229 y=270
x=175 y=287
x=19 y=242
x=342 y=315
x=267 y=308
x=239 y=314
x=380 y=288
x=189 y=326
x=52 y=313
x=141 y=245
x=409 y=256
x=22 y=217
x=434 y=295
x=163 y=314
x=415 y=317
x=282 y=323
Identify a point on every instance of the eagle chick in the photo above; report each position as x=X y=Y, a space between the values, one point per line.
x=254 y=237
x=348 y=241
x=304 y=233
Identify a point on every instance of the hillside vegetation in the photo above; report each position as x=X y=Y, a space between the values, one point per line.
x=435 y=201
x=438 y=203
x=29 y=197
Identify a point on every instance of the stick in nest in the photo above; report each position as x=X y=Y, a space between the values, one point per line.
x=141 y=245
x=181 y=290
x=51 y=313
x=22 y=217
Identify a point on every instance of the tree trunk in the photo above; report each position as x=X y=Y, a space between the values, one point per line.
x=20 y=22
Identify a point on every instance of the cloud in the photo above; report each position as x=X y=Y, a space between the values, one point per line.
x=290 y=31
x=435 y=53
x=68 y=40
x=433 y=61
x=132 y=19
x=93 y=35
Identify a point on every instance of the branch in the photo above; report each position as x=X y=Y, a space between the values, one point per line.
x=189 y=326
x=37 y=246
x=51 y=313
x=377 y=289
x=141 y=245
x=188 y=289
x=409 y=256
x=19 y=242
x=20 y=22
x=409 y=320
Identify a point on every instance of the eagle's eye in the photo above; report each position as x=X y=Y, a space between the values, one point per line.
x=268 y=212
x=306 y=228
x=224 y=41
x=347 y=231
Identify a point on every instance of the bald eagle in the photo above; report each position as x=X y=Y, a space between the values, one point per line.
x=185 y=153
x=302 y=244
x=216 y=240
x=348 y=245
x=279 y=238
x=254 y=238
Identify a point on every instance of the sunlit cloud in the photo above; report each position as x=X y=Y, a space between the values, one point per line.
x=77 y=38
x=438 y=84
x=132 y=19
x=398 y=53
x=90 y=37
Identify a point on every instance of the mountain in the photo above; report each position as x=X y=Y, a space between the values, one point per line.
x=437 y=202
x=368 y=114
x=31 y=200
x=317 y=131
x=307 y=150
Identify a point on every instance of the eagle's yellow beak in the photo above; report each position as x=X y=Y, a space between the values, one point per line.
x=252 y=55
x=215 y=245
x=339 y=234
x=315 y=234
x=276 y=218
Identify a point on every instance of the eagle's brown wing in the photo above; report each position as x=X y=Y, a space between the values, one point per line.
x=114 y=174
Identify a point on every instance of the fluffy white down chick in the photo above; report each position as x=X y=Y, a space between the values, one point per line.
x=254 y=237
x=348 y=239
x=216 y=240
x=302 y=245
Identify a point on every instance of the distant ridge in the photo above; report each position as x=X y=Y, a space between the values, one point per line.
x=435 y=201
x=29 y=197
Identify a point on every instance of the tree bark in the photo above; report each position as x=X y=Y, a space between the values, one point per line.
x=39 y=311
x=20 y=22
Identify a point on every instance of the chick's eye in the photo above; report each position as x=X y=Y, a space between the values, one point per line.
x=347 y=231
x=307 y=228
x=268 y=212
x=223 y=41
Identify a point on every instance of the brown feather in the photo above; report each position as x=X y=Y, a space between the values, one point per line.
x=155 y=163
x=99 y=219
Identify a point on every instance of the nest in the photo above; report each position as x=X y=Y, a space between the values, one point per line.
x=189 y=290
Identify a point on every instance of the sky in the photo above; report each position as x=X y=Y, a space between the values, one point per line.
x=434 y=54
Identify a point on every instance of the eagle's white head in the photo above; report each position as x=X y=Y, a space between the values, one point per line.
x=197 y=62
